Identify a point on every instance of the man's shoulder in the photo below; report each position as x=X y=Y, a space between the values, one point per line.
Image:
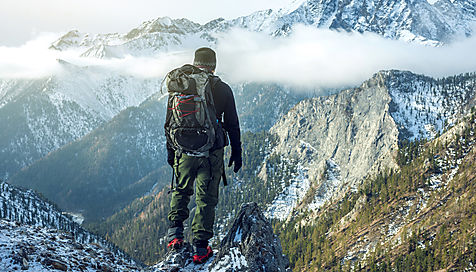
x=222 y=86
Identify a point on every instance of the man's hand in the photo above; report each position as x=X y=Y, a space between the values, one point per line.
x=170 y=157
x=235 y=158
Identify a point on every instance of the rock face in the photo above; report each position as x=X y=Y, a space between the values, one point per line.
x=250 y=245
x=334 y=142
x=25 y=216
x=352 y=131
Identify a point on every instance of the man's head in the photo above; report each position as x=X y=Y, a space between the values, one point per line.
x=205 y=58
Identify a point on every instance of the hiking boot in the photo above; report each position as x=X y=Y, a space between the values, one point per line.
x=175 y=235
x=176 y=243
x=201 y=254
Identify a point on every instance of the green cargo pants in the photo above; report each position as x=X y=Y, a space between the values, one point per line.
x=206 y=172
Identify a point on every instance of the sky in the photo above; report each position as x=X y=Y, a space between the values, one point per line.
x=23 y=20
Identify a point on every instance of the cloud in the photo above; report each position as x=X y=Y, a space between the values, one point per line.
x=325 y=58
x=309 y=58
x=30 y=60
x=35 y=60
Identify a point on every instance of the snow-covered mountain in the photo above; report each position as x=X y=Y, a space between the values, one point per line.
x=162 y=34
x=41 y=115
x=409 y=20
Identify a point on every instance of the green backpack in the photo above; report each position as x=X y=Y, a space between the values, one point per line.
x=191 y=123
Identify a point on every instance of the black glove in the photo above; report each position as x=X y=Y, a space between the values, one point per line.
x=170 y=157
x=236 y=158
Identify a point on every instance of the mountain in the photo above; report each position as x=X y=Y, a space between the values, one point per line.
x=408 y=20
x=356 y=133
x=159 y=35
x=107 y=166
x=42 y=115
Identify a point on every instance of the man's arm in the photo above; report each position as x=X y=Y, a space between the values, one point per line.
x=232 y=126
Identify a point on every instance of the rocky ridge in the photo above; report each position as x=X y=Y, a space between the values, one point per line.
x=24 y=247
x=35 y=234
x=26 y=207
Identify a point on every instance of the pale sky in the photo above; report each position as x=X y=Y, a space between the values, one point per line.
x=23 y=20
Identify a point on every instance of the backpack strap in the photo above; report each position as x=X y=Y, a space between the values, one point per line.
x=214 y=80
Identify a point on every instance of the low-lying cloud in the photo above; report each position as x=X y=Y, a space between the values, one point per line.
x=308 y=58
x=313 y=57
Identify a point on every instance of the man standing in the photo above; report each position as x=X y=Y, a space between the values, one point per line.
x=205 y=169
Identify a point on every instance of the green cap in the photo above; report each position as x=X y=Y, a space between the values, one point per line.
x=205 y=57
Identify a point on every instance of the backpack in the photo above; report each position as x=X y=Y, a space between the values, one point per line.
x=191 y=124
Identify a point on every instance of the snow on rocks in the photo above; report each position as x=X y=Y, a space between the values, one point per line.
x=331 y=183
x=41 y=249
x=422 y=107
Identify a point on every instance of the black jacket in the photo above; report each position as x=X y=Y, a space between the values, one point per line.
x=226 y=114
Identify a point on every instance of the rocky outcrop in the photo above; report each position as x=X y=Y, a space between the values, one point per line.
x=249 y=246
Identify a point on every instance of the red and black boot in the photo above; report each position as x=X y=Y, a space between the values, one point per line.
x=176 y=243
x=201 y=254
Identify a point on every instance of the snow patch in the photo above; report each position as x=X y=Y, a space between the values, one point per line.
x=234 y=261
x=328 y=187
x=284 y=203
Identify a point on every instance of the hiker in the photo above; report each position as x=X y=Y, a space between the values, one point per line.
x=197 y=155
